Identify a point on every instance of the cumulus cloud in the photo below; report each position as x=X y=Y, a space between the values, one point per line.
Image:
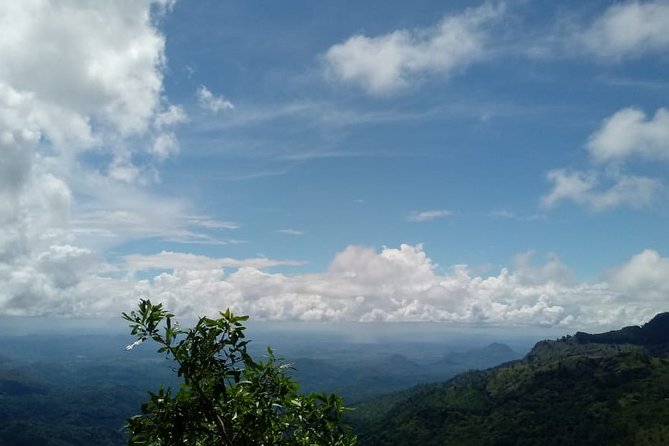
x=428 y=215
x=629 y=29
x=208 y=101
x=385 y=63
x=110 y=73
x=79 y=140
x=103 y=90
x=42 y=285
x=400 y=284
x=361 y=284
x=628 y=133
x=585 y=188
x=645 y=275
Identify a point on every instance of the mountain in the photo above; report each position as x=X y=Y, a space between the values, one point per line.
x=654 y=335
x=369 y=372
x=586 y=389
x=71 y=390
x=480 y=358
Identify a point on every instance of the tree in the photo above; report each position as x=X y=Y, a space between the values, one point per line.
x=225 y=396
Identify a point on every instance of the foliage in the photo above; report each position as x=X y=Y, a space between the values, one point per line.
x=226 y=397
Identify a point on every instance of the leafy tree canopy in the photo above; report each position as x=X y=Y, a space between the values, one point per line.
x=226 y=397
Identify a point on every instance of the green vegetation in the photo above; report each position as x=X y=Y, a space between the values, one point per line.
x=609 y=389
x=226 y=397
x=77 y=399
x=77 y=388
x=360 y=372
x=603 y=389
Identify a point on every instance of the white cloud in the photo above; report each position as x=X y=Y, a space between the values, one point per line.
x=165 y=143
x=172 y=116
x=65 y=264
x=645 y=274
x=105 y=89
x=552 y=270
x=290 y=232
x=629 y=29
x=208 y=101
x=585 y=188
x=629 y=132
x=428 y=215
x=164 y=146
x=392 y=61
x=360 y=285
x=122 y=169
x=191 y=262
x=511 y=215
x=43 y=284
x=111 y=213
x=206 y=222
x=102 y=98
x=569 y=185
x=110 y=73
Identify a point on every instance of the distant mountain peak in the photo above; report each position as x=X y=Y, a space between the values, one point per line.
x=498 y=347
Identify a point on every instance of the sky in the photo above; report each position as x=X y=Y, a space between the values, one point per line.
x=486 y=164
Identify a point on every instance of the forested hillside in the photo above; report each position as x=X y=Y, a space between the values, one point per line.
x=604 y=389
x=63 y=390
x=72 y=391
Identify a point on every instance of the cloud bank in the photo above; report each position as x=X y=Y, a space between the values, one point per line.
x=360 y=284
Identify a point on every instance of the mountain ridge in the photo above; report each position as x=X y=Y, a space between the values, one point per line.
x=586 y=389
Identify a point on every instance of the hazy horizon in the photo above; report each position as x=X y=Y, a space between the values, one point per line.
x=521 y=338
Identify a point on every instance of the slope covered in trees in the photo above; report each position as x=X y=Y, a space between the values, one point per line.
x=66 y=388
x=603 y=389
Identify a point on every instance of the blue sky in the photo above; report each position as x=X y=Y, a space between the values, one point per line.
x=495 y=163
